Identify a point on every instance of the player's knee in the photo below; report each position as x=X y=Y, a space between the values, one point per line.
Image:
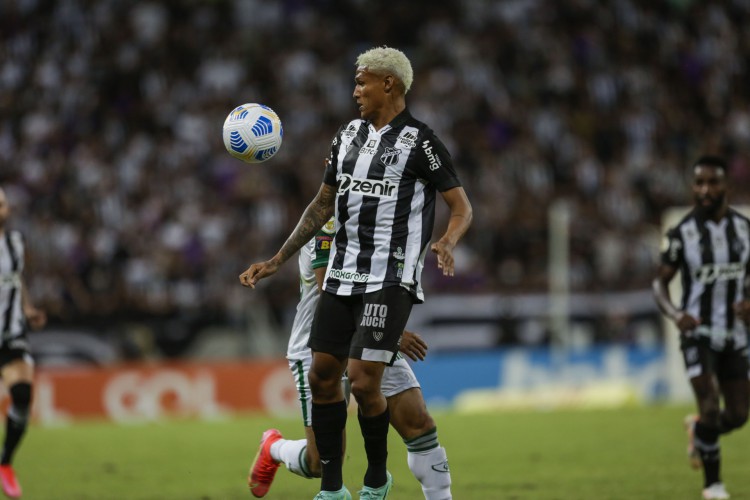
x=419 y=425
x=425 y=422
x=363 y=389
x=20 y=396
x=323 y=388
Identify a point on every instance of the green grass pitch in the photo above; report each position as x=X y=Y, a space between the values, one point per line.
x=632 y=453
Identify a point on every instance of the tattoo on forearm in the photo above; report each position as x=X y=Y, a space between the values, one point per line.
x=316 y=214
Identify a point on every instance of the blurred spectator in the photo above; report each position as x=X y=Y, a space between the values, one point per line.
x=110 y=136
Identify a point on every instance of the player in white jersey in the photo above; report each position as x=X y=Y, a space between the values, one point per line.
x=710 y=248
x=16 y=364
x=409 y=416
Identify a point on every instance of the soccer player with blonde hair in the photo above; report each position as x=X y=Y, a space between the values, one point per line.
x=380 y=184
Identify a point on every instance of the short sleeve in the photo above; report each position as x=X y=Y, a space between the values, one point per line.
x=329 y=177
x=672 y=252
x=434 y=163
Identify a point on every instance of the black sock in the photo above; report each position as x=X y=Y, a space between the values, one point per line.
x=375 y=432
x=707 y=444
x=328 y=423
x=16 y=420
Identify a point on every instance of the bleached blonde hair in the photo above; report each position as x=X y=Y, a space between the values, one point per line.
x=384 y=59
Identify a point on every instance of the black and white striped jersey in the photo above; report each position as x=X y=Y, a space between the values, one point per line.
x=12 y=320
x=714 y=262
x=385 y=204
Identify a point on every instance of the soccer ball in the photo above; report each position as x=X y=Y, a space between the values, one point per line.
x=252 y=133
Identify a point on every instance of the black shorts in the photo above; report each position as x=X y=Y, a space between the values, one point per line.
x=727 y=364
x=366 y=327
x=15 y=348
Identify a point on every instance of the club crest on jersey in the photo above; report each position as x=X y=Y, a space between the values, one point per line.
x=399 y=254
x=366 y=187
x=378 y=336
x=330 y=226
x=390 y=156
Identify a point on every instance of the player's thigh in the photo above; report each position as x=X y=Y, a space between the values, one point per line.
x=700 y=367
x=398 y=378
x=734 y=383
x=17 y=366
x=381 y=319
x=334 y=324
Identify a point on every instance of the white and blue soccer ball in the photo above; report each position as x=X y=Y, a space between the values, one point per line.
x=252 y=133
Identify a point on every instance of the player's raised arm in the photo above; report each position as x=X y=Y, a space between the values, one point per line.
x=315 y=215
x=458 y=224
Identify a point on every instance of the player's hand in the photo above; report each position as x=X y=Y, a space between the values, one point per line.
x=413 y=346
x=444 y=252
x=742 y=309
x=36 y=318
x=258 y=271
x=686 y=322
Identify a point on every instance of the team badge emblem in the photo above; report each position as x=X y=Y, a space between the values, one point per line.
x=390 y=156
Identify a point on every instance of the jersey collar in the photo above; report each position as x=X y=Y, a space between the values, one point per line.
x=399 y=120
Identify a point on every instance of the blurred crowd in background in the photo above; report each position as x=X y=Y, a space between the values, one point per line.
x=112 y=158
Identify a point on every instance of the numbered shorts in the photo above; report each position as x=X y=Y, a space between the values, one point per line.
x=727 y=364
x=366 y=326
x=15 y=348
x=396 y=379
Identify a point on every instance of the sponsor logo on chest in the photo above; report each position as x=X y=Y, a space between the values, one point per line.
x=710 y=273
x=370 y=148
x=368 y=187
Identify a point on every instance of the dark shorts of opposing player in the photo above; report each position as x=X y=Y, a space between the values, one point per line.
x=366 y=326
x=727 y=364
x=14 y=349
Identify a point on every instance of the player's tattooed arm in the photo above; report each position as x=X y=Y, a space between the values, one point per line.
x=315 y=216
